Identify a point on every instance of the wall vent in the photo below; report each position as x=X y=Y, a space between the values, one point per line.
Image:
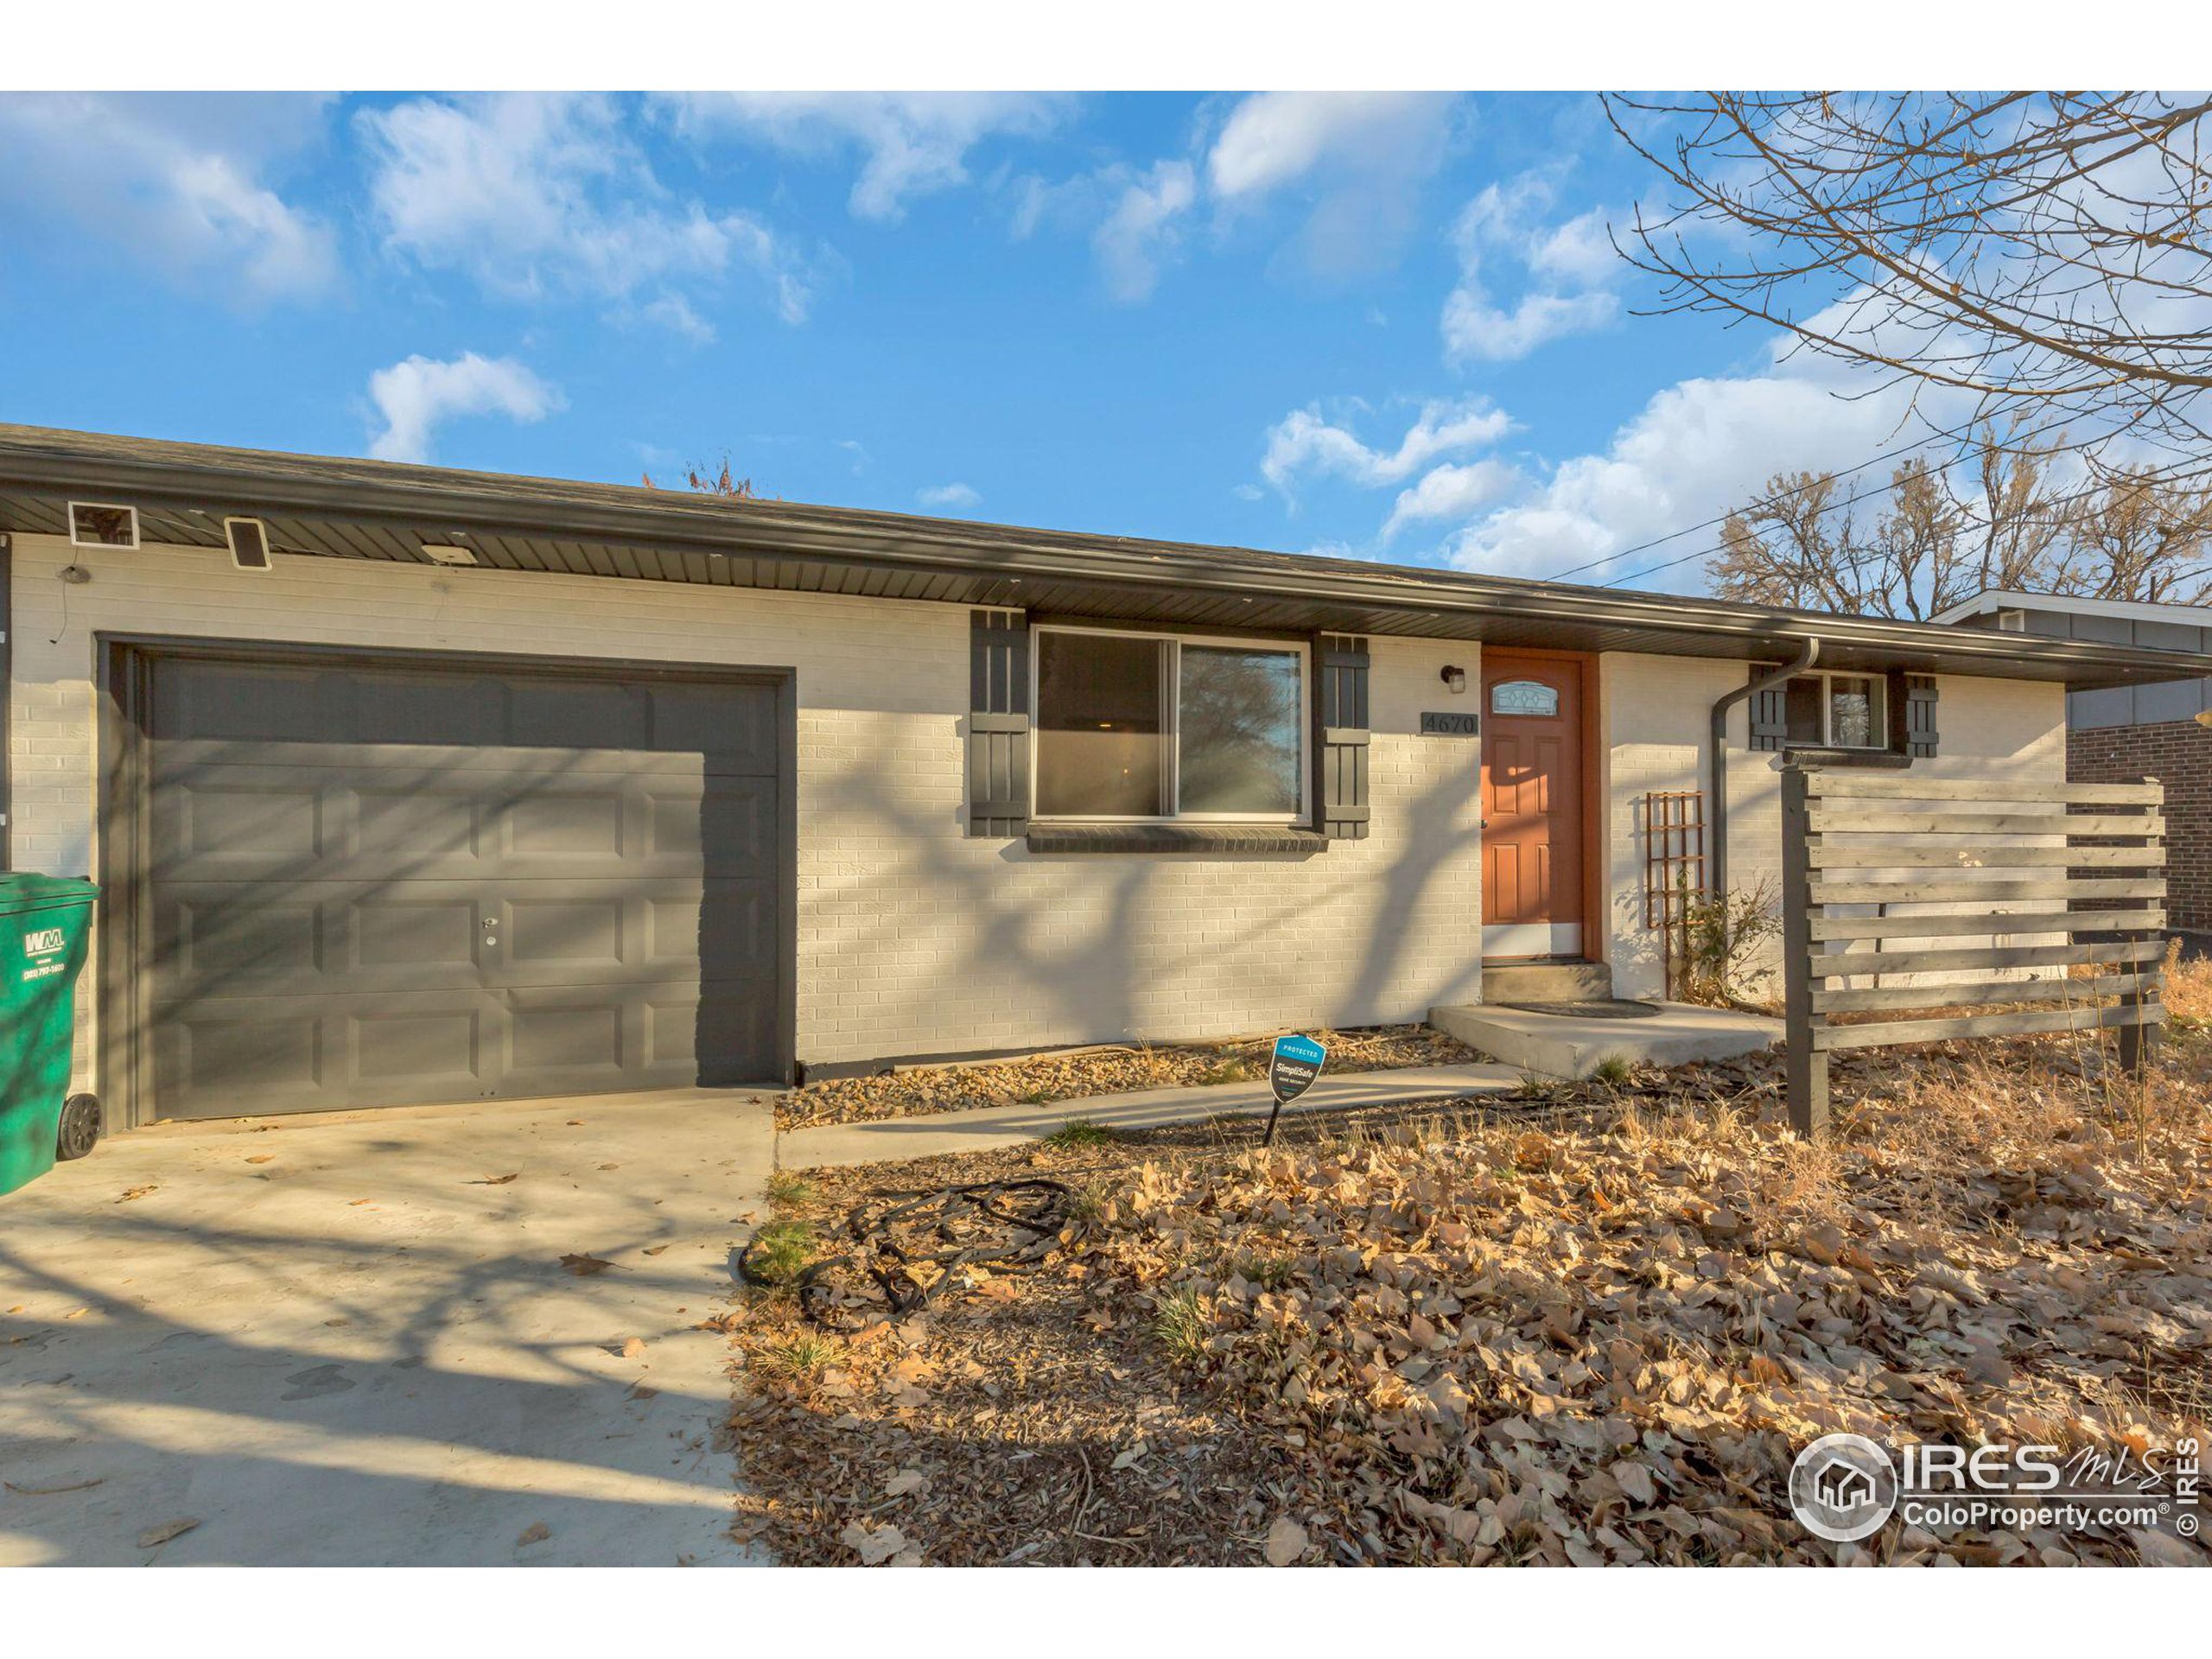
x=2015 y=621
x=99 y=523
x=248 y=540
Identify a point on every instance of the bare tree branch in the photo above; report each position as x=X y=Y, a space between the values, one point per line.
x=2046 y=252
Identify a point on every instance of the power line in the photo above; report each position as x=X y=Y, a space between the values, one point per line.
x=2034 y=509
x=1913 y=448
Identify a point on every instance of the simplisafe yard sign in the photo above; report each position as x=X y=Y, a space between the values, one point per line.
x=1297 y=1061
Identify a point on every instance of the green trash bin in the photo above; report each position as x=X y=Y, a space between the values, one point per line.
x=45 y=923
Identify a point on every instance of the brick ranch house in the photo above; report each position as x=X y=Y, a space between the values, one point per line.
x=406 y=784
x=2118 y=733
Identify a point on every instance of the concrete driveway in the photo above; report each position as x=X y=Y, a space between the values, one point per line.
x=349 y=1338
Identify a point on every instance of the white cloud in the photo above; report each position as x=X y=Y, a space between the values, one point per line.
x=674 y=312
x=1140 y=233
x=950 y=495
x=915 y=143
x=1304 y=442
x=1474 y=328
x=415 y=395
x=1695 y=450
x=176 y=180
x=1452 y=491
x=536 y=196
x=1568 y=268
x=1360 y=157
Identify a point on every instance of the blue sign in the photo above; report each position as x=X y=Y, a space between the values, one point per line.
x=1297 y=1061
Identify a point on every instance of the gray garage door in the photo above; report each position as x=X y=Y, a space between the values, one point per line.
x=372 y=885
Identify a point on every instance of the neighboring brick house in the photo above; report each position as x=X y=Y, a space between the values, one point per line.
x=406 y=784
x=2118 y=734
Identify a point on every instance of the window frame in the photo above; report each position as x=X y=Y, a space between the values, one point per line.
x=1879 y=715
x=1171 y=725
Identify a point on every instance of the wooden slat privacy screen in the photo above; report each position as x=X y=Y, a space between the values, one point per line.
x=1997 y=878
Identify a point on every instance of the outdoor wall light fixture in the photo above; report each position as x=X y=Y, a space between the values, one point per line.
x=1455 y=679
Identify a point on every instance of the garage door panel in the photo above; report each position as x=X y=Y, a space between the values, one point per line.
x=732 y=737
x=735 y=1033
x=416 y=884
x=435 y=823
x=737 y=821
x=437 y=1049
x=237 y=702
x=579 y=714
x=427 y=931
x=206 y=940
x=230 y=1058
x=569 y=823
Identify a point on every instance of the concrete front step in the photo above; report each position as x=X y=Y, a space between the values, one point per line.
x=1575 y=1045
x=1547 y=982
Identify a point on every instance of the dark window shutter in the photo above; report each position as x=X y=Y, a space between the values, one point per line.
x=1340 y=744
x=998 y=723
x=1920 y=734
x=1769 y=712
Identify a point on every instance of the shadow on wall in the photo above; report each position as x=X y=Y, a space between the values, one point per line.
x=1112 y=971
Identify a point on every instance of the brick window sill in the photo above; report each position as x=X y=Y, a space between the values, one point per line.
x=1174 y=838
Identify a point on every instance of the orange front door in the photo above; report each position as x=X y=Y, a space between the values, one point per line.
x=1532 y=805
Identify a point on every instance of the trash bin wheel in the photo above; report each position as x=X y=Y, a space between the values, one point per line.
x=81 y=1127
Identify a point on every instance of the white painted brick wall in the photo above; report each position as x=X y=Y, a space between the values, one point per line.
x=1657 y=712
x=912 y=938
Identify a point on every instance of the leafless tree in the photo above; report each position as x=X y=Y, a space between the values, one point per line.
x=2048 y=254
x=1930 y=541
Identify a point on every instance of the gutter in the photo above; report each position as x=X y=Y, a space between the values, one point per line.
x=419 y=500
x=1717 y=863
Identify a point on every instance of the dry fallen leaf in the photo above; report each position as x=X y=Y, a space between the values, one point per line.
x=262 y=1158
x=51 y=1492
x=906 y=1482
x=131 y=1192
x=584 y=1266
x=155 y=1537
x=1286 y=1541
x=654 y=1250
x=536 y=1533
x=492 y=1180
x=874 y=1545
x=1635 y=1480
x=634 y=1348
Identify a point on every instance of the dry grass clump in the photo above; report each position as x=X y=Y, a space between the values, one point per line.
x=2188 y=990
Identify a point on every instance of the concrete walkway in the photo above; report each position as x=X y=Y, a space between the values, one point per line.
x=892 y=1139
x=348 y=1339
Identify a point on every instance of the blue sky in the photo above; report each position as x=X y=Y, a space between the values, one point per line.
x=1381 y=325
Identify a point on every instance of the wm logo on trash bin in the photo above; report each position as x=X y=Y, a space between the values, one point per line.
x=38 y=944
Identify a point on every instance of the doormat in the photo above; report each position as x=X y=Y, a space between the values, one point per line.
x=1610 y=1009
